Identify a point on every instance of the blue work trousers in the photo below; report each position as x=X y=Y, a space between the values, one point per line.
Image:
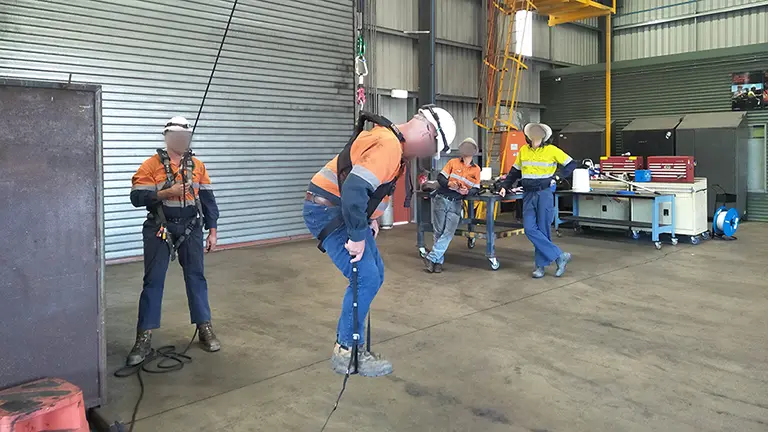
x=446 y=215
x=370 y=269
x=156 y=259
x=538 y=216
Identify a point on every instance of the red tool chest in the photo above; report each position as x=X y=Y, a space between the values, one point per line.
x=671 y=169
x=618 y=165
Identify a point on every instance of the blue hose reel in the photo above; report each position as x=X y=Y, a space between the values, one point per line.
x=725 y=222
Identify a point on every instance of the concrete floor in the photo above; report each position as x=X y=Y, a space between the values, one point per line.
x=631 y=339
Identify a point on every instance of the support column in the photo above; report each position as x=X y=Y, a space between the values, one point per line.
x=608 y=59
x=426 y=53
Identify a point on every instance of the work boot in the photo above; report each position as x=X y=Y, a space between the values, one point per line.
x=371 y=364
x=538 y=273
x=141 y=348
x=438 y=268
x=429 y=266
x=208 y=339
x=562 y=261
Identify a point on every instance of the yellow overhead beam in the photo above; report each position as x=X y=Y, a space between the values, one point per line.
x=564 y=11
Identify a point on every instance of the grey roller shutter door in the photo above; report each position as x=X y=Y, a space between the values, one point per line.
x=279 y=107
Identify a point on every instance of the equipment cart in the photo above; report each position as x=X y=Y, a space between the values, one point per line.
x=662 y=214
x=488 y=229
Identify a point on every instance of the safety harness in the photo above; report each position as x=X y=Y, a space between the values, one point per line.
x=344 y=167
x=187 y=167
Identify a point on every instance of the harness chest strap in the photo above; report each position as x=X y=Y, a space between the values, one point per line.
x=187 y=166
x=344 y=167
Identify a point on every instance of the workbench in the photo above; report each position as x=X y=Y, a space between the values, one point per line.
x=654 y=226
x=488 y=228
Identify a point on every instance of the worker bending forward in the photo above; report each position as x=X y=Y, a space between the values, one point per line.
x=459 y=178
x=175 y=211
x=535 y=166
x=377 y=157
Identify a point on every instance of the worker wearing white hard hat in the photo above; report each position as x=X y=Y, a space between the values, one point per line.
x=535 y=167
x=176 y=190
x=342 y=203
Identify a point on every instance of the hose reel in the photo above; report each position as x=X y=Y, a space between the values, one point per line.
x=725 y=222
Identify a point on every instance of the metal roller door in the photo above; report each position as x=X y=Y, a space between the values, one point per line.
x=280 y=105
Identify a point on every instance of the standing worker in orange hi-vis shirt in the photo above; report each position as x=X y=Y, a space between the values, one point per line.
x=176 y=190
x=342 y=204
x=459 y=178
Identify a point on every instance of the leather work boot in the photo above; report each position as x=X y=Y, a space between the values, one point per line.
x=371 y=364
x=141 y=348
x=208 y=339
x=429 y=266
x=561 y=262
x=438 y=268
x=538 y=273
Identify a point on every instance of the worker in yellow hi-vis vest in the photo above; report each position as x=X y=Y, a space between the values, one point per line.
x=535 y=167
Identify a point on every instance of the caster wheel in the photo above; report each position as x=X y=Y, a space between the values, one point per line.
x=695 y=240
x=494 y=264
x=658 y=245
x=471 y=243
x=423 y=252
x=578 y=229
x=674 y=241
x=635 y=235
x=705 y=235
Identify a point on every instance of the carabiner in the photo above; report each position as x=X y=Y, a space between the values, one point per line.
x=360 y=63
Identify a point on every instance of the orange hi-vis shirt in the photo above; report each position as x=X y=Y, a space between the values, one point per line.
x=151 y=177
x=376 y=158
x=457 y=172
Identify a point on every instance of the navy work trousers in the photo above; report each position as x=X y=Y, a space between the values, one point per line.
x=538 y=216
x=156 y=259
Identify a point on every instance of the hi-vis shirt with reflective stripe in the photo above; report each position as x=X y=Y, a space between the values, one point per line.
x=456 y=171
x=540 y=163
x=151 y=177
x=376 y=156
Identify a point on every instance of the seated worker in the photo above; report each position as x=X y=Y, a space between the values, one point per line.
x=341 y=212
x=175 y=188
x=535 y=166
x=459 y=178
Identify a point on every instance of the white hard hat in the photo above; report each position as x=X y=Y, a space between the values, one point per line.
x=444 y=124
x=547 y=130
x=177 y=124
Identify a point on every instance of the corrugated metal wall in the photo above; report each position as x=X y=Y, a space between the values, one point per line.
x=281 y=65
x=647 y=28
x=457 y=71
x=574 y=45
x=566 y=43
x=457 y=21
x=677 y=87
x=396 y=65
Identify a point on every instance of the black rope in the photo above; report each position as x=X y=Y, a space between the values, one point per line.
x=169 y=361
x=215 y=63
x=354 y=350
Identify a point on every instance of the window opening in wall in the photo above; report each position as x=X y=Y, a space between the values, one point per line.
x=524 y=33
x=756 y=159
